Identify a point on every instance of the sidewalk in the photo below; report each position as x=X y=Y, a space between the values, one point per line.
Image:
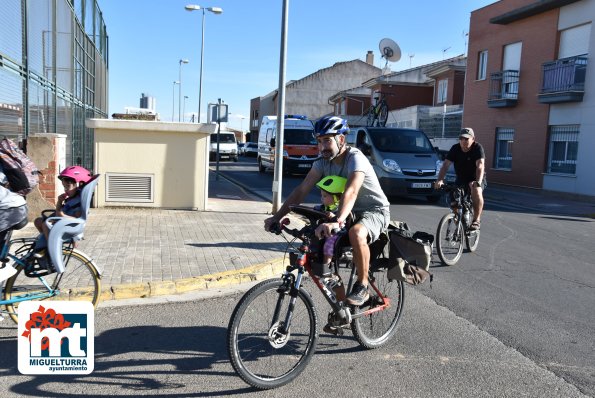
x=154 y=252
x=541 y=201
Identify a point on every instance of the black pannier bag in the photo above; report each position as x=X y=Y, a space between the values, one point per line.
x=415 y=248
x=409 y=254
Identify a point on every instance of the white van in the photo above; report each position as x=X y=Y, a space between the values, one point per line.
x=299 y=146
x=228 y=146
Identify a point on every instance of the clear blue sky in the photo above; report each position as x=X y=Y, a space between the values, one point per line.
x=147 y=38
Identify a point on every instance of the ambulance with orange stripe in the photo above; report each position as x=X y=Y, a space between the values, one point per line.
x=299 y=146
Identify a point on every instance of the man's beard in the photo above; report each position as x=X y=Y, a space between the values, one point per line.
x=327 y=153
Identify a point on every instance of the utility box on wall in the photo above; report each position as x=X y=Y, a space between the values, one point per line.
x=152 y=164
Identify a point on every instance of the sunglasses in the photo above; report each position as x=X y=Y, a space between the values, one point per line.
x=464 y=138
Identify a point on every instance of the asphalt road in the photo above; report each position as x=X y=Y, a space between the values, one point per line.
x=178 y=349
x=530 y=283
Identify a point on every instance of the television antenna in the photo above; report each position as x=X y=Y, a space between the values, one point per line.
x=390 y=51
x=410 y=58
x=444 y=52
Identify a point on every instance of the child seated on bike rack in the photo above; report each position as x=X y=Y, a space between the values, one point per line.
x=331 y=189
x=68 y=204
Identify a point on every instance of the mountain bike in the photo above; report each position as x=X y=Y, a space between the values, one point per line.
x=453 y=227
x=377 y=114
x=37 y=278
x=272 y=333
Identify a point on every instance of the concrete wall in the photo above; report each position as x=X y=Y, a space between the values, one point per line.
x=309 y=95
x=175 y=154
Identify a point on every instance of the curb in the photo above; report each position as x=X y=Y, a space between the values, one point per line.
x=252 y=273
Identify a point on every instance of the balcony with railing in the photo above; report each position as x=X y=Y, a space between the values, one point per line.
x=504 y=89
x=563 y=80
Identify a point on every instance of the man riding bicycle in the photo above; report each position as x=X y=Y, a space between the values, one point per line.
x=468 y=157
x=363 y=196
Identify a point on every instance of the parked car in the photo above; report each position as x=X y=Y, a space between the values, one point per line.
x=451 y=176
x=251 y=149
x=228 y=147
x=241 y=146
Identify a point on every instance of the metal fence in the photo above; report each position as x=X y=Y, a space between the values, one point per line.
x=53 y=71
x=566 y=74
x=447 y=126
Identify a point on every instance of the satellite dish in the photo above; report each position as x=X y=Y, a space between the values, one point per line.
x=390 y=50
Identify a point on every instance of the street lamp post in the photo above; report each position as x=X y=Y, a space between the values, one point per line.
x=184 y=108
x=173 y=100
x=214 y=10
x=182 y=61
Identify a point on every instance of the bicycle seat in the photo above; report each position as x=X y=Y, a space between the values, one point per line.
x=69 y=229
x=6 y=234
x=20 y=225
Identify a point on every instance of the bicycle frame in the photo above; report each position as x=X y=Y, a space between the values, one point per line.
x=466 y=206
x=26 y=248
x=292 y=283
x=376 y=112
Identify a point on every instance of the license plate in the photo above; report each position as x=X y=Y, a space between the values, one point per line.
x=304 y=166
x=421 y=185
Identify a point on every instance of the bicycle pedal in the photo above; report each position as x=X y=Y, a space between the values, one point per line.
x=334 y=330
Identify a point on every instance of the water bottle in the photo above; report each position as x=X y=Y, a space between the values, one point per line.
x=466 y=217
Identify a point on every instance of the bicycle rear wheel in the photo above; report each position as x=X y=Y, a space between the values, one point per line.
x=80 y=281
x=370 y=117
x=449 y=239
x=383 y=115
x=260 y=353
x=375 y=330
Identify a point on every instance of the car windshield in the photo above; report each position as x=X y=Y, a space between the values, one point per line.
x=251 y=145
x=400 y=141
x=223 y=138
x=299 y=137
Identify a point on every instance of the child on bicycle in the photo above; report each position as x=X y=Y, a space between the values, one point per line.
x=331 y=189
x=68 y=204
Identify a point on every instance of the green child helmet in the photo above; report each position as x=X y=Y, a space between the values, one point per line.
x=332 y=184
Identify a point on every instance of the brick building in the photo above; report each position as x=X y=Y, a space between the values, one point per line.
x=529 y=92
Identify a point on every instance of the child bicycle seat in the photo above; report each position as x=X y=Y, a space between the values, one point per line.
x=69 y=229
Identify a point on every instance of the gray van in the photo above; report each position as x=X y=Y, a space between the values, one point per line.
x=404 y=160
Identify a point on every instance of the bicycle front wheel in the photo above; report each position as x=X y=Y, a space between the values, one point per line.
x=375 y=330
x=472 y=240
x=383 y=115
x=262 y=353
x=80 y=281
x=449 y=239
x=471 y=237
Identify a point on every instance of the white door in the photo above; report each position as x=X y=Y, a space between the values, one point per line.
x=511 y=62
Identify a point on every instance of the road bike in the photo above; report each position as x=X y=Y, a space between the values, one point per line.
x=272 y=333
x=454 y=227
x=37 y=278
x=377 y=114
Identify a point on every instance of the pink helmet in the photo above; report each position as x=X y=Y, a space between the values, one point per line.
x=77 y=173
